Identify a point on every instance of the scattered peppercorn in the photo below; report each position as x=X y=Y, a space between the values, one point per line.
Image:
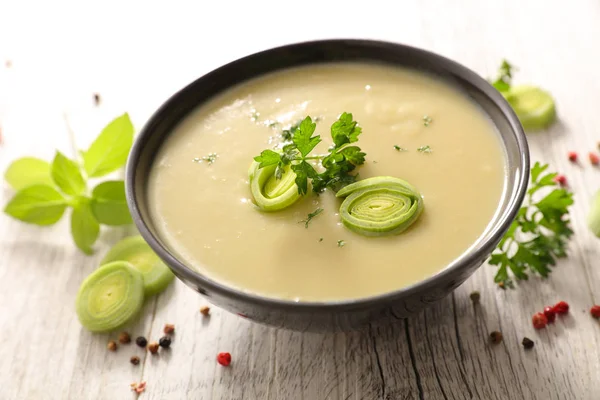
x=562 y=307
x=135 y=360
x=141 y=341
x=112 y=346
x=595 y=311
x=539 y=321
x=169 y=329
x=475 y=296
x=96 y=99
x=138 y=387
x=594 y=159
x=124 y=338
x=164 y=342
x=496 y=337
x=224 y=359
x=561 y=180
x=550 y=314
x=527 y=343
x=153 y=347
x=572 y=156
x=205 y=310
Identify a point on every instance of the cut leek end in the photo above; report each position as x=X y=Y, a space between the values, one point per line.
x=270 y=193
x=134 y=250
x=109 y=297
x=593 y=218
x=534 y=106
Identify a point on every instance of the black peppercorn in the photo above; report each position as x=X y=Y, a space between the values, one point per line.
x=141 y=341
x=164 y=342
x=527 y=343
x=475 y=296
x=135 y=360
x=495 y=337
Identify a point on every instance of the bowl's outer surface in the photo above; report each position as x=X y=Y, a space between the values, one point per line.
x=346 y=314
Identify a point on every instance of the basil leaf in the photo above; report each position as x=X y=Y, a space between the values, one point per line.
x=37 y=204
x=28 y=171
x=67 y=175
x=109 y=151
x=109 y=205
x=84 y=227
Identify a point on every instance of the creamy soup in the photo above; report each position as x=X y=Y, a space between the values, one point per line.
x=202 y=208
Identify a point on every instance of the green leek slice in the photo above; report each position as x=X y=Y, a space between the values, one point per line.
x=110 y=297
x=380 y=206
x=134 y=249
x=593 y=219
x=534 y=106
x=270 y=193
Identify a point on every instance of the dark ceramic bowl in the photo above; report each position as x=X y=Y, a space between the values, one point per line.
x=343 y=314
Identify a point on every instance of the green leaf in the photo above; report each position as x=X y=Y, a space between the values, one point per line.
x=303 y=138
x=67 y=175
x=345 y=130
x=303 y=171
x=354 y=155
x=37 y=204
x=28 y=171
x=84 y=227
x=109 y=205
x=268 y=157
x=109 y=151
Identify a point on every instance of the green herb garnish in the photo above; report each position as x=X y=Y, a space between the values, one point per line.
x=46 y=190
x=320 y=239
x=311 y=216
x=424 y=149
x=504 y=78
x=398 y=148
x=341 y=160
x=210 y=158
x=341 y=243
x=427 y=120
x=538 y=235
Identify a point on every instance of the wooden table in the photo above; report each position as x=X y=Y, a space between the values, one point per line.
x=135 y=55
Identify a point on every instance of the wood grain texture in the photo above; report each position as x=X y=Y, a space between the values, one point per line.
x=60 y=59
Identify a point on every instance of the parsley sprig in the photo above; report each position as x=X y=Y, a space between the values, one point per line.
x=338 y=163
x=503 y=80
x=310 y=217
x=538 y=235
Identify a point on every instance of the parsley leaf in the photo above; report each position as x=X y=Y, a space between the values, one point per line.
x=538 y=235
x=504 y=79
x=268 y=157
x=311 y=216
x=303 y=138
x=345 y=130
x=303 y=171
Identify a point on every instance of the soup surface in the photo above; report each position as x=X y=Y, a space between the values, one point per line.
x=203 y=210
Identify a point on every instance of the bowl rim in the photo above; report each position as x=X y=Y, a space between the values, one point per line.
x=477 y=250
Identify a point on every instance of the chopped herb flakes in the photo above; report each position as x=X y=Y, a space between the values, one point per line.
x=398 y=148
x=427 y=120
x=424 y=149
x=341 y=243
x=211 y=158
x=311 y=216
